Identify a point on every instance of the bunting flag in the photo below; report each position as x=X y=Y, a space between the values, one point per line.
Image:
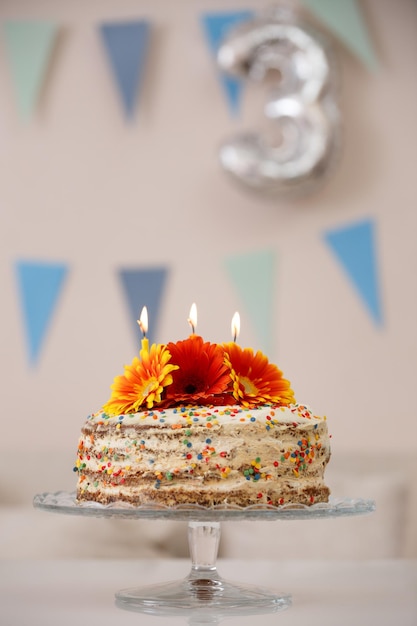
x=253 y=275
x=216 y=27
x=345 y=20
x=126 y=44
x=29 y=47
x=40 y=285
x=354 y=247
x=144 y=287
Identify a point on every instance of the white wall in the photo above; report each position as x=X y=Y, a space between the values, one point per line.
x=80 y=185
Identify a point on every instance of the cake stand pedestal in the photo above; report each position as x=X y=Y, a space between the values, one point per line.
x=203 y=592
x=203 y=596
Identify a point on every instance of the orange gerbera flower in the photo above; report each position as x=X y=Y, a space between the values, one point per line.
x=255 y=380
x=201 y=376
x=143 y=381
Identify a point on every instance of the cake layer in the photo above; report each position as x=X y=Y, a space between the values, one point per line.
x=205 y=455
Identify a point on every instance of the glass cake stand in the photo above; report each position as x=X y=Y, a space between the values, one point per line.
x=203 y=596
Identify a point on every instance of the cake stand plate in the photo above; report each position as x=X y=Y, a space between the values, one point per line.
x=203 y=596
x=65 y=502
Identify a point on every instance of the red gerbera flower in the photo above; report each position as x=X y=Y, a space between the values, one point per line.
x=255 y=380
x=202 y=376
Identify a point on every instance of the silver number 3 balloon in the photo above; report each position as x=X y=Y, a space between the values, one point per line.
x=298 y=150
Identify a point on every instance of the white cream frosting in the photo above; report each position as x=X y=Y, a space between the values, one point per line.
x=199 y=414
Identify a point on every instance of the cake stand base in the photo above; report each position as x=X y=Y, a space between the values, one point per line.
x=207 y=594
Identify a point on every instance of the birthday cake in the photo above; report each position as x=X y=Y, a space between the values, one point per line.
x=194 y=422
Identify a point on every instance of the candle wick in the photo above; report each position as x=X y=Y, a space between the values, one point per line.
x=192 y=326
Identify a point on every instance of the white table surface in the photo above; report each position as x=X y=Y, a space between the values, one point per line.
x=325 y=593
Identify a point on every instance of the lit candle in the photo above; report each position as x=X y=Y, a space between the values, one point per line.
x=235 y=326
x=143 y=325
x=192 y=320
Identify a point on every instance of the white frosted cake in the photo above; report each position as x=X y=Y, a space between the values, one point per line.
x=194 y=422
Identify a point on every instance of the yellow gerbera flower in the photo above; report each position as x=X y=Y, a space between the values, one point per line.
x=143 y=381
x=255 y=380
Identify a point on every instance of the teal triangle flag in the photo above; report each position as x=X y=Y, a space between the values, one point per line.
x=126 y=44
x=29 y=46
x=354 y=248
x=345 y=20
x=216 y=27
x=253 y=275
x=40 y=285
x=144 y=287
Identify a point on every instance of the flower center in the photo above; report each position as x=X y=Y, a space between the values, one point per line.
x=150 y=386
x=248 y=386
x=192 y=384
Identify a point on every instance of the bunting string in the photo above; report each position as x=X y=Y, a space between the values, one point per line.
x=30 y=45
x=253 y=275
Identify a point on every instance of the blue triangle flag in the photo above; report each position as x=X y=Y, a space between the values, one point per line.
x=144 y=287
x=40 y=285
x=354 y=247
x=29 y=46
x=216 y=27
x=253 y=275
x=126 y=44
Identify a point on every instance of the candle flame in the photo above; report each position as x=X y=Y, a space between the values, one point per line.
x=235 y=326
x=192 y=320
x=143 y=321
